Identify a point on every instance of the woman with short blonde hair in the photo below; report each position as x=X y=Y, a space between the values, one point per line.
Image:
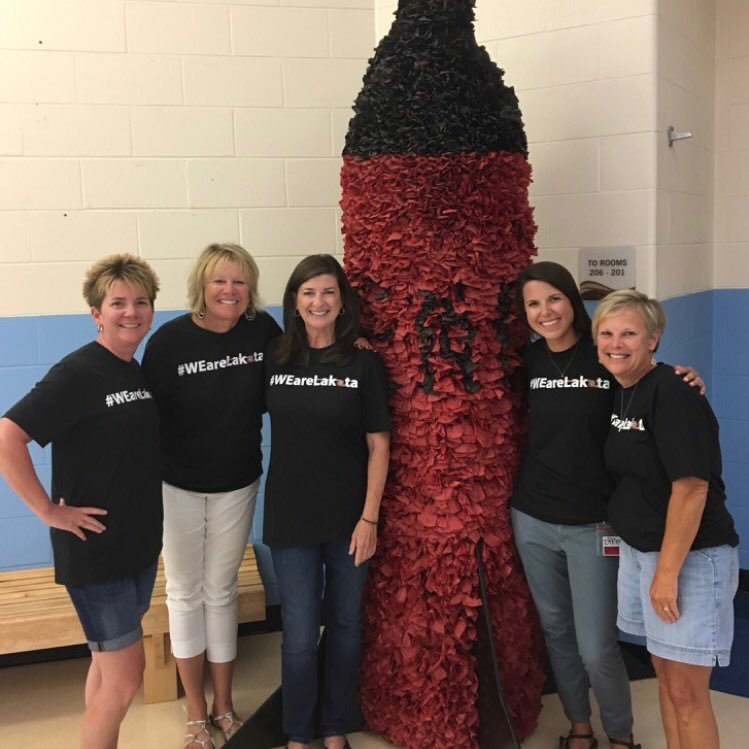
x=206 y=371
x=678 y=569
x=206 y=264
x=95 y=409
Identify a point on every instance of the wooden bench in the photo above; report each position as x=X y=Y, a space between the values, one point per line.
x=36 y=613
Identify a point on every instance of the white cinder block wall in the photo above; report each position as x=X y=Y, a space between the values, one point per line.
x=732 y=145
x=157 y=127
x=585 y=72
x=686 y=182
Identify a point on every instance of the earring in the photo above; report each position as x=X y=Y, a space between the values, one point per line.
x=250 y=314
x=296 y=313
x=341 y=312
x=201 y=313
x=100 y=327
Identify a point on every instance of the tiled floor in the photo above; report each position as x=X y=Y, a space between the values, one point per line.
x=40 y=707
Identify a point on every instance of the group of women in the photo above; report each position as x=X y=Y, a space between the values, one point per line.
x=207 y=377
x=614 y=440
x=621 y=455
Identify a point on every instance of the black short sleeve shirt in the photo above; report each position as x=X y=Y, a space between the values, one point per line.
x=209 y=388
x=564 y=478
x=320 y=416
x=662 y=430
x=98 y=413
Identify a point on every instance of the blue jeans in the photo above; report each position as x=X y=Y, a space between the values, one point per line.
x=303 y=573
x=574 y=590
x=110 y=612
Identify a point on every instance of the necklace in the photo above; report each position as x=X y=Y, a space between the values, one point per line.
x=625 y=411
x=564 y=369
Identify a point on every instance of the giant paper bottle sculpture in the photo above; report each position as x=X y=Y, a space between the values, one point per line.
x=437 y=227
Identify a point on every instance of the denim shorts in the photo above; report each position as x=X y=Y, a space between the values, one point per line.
x=703 y=633
x=110 y=612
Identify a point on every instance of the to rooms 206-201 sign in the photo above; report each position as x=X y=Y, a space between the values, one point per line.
x=605 y=269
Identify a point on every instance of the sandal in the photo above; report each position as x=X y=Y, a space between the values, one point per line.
x=629 y=744
x=194 y=738
x=564 y=741
x=234 y=723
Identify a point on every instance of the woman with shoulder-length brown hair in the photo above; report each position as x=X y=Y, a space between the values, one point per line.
x=330 y=423
x=104 y=508
x=678 y=569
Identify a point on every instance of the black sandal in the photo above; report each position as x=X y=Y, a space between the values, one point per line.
x=564 y=741
x=629 y=744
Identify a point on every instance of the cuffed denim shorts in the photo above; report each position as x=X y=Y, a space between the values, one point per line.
x=110 y=612
x=703 y=633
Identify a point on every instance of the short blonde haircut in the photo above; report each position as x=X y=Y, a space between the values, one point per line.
x=206 y=263
x=107 y=271
x=650 y=310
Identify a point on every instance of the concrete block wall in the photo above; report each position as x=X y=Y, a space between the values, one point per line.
x=585 y=75
x=686 y=184
x=685 y=180
x=731 y=261
x=732 y=145
x=158 y=126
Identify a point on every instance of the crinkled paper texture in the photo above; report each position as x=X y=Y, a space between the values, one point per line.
x=431 y=89
x=433 y=245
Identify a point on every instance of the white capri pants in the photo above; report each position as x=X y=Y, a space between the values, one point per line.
x=205 y=536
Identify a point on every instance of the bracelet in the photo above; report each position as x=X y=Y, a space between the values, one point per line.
x=371 y=522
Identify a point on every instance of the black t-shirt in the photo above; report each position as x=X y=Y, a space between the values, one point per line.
x=320 y=416
x=662 y=430
x=103 y=424
x=564 y=478
x=209 y=389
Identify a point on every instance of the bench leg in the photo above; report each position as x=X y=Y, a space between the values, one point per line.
x=160 y=676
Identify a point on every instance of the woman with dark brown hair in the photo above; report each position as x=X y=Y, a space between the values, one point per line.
x=329 y=415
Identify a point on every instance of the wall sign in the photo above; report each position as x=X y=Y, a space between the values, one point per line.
x=605 y=269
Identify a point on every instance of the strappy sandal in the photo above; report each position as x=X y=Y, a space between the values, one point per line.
x=564 y=741
x=629 y=744
x=234 y=723
x=190 y=738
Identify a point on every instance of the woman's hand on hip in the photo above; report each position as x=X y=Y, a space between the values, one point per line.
x=75 y=520
x=363 y=542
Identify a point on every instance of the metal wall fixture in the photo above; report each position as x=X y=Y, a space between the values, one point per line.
x=674 y=135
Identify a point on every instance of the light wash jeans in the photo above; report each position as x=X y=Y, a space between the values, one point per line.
x=574 y=590
x=703 y=633
x=205 y=536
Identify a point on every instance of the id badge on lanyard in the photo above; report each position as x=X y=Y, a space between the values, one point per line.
x=607 y=542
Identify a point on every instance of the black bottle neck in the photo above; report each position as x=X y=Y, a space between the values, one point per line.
x=435 y=11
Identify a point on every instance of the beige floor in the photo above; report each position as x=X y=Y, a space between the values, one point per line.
x=40 y=707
